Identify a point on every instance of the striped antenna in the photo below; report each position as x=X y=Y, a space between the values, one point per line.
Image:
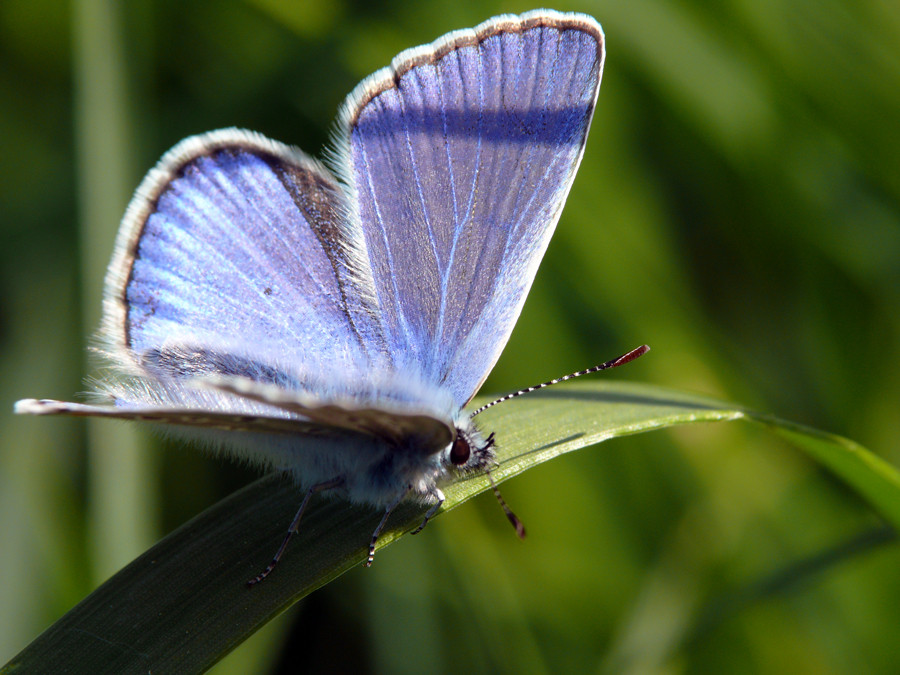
x=620 y=361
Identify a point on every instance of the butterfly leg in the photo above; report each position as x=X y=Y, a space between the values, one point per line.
x=377 y=533
x=295 y=526
x=489 y=442
x=437 y=494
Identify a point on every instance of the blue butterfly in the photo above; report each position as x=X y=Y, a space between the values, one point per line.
x=335 y=323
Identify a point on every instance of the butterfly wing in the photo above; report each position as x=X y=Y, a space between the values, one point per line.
x=238 y=242
x=235 y=260
x=458 y=159
x=245 y=405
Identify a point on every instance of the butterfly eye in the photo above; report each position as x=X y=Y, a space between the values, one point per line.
x=459 y=453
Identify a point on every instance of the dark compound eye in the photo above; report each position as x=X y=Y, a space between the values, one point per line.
x=459 y=453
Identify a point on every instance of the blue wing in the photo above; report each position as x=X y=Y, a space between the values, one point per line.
x=233 y=258
x=458 y=159
x=238 y=295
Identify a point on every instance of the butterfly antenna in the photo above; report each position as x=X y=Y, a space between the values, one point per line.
x=513 y=518
x=615 y=363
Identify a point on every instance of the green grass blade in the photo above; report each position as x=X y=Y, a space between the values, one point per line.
x=184 y=604
x=876 y=481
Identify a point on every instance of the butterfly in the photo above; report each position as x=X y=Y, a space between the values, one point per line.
x=334 y=319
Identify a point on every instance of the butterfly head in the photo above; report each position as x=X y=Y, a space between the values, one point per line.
x=470 y=451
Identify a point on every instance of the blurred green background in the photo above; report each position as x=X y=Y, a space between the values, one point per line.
x=738 y=208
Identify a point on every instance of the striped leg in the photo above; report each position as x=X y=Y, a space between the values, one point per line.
x=295 y=526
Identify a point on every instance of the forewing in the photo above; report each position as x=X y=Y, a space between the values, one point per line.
x=248 y=406
x=458 y=159
x=237 y=243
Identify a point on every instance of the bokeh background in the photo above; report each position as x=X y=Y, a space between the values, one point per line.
x=738 y=208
